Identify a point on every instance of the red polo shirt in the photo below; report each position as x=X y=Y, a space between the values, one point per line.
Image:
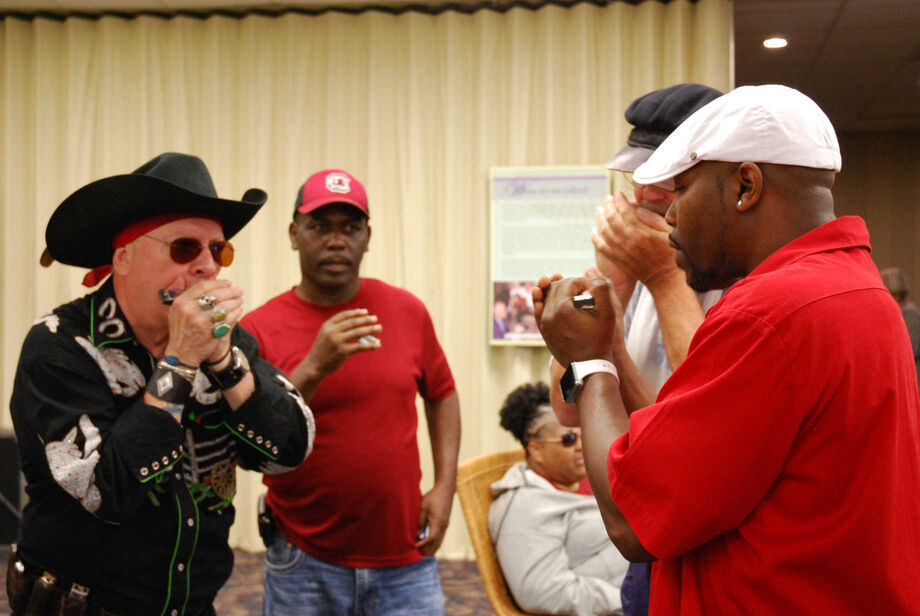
x=779 y=470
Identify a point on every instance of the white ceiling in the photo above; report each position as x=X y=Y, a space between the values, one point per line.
x=859 y=59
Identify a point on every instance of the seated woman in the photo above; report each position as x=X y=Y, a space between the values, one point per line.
x=545 y=525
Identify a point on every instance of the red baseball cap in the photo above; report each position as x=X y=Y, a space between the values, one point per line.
x=330 y=186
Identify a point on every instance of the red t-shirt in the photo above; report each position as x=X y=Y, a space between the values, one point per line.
x=356 y=499
x=584 y=487
x=779 y=470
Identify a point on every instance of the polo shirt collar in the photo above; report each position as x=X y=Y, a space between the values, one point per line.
x=841 y=233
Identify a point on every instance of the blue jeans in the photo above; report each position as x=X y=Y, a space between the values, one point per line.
x=297 y=584
x=634 y=592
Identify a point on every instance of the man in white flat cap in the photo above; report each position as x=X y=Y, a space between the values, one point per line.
x=777 y=471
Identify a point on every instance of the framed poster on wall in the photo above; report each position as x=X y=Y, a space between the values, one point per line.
x=540 y=220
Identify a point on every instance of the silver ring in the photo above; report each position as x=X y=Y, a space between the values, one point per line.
x=206 y=301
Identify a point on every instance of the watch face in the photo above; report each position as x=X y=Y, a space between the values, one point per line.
x=567 y=384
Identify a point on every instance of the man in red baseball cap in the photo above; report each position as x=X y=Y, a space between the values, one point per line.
x=353 y=533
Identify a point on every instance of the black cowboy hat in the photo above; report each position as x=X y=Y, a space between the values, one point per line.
x=81 y=230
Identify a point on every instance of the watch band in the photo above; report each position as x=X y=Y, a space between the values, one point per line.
x=584 y=368
x=575 y=374
x=232 y=374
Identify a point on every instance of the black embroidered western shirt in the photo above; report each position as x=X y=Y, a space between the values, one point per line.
x=121 y=497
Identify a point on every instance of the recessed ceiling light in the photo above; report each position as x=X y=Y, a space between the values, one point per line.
x=775 y=43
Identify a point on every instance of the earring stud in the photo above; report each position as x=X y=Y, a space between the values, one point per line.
x=739 y=203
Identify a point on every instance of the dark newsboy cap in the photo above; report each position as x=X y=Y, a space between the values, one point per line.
x=654 y=116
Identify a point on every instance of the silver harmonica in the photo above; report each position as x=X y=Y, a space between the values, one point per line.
x=585 y=301
x=167 y=296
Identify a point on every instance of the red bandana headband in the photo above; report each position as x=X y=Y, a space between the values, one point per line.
x=131 y=233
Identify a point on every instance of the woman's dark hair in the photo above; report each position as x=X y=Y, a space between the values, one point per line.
x=521 y=407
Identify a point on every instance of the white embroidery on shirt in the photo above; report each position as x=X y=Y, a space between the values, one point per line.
x=107 y=311
x=51 y=321
x=271 y=468
x=200 y=387
x=74 y=470
x=123 y=376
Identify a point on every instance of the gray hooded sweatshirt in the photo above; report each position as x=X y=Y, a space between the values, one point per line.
x=553 y=548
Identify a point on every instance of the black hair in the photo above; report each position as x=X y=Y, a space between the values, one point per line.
x=521 y=408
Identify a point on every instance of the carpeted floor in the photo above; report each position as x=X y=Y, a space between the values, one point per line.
x=242 y=596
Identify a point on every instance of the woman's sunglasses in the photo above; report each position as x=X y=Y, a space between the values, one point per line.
x=568 y=439
x=185 y=250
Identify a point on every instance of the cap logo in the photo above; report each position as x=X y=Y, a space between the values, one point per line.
x=338 y=183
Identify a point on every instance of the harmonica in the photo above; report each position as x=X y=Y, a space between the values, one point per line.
x=585 y=301
x=167 y=296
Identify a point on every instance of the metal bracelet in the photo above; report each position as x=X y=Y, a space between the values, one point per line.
x=172 y=360
x=186 y=373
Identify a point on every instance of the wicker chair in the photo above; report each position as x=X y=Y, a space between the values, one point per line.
x=474 y=476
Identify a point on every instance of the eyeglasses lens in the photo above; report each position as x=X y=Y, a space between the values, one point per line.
x=186 y=250
x=569 y=438
x=222 y=252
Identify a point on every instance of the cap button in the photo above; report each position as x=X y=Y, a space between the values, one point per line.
x=692 y=155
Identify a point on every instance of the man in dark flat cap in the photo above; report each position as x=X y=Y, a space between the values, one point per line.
x=134 y=404
x=631 y=241
x=632 y=251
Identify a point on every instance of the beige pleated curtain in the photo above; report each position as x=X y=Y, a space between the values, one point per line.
x=417 y=106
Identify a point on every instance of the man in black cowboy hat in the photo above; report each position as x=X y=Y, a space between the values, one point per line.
x=133 y=405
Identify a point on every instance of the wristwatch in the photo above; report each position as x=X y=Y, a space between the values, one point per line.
x=232 y=374
x=574 y=378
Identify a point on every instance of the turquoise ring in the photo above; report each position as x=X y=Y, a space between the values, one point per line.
x=221 y=330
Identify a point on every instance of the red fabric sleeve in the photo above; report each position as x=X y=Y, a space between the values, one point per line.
x=436 y=382
x=695 y=464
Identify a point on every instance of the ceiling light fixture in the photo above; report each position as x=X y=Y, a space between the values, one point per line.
x=775 y=42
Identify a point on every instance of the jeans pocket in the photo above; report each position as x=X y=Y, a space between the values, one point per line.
x=282 y=556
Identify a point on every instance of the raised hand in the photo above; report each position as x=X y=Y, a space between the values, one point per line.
x=200 y=320
x=634 y=240
x=340 y=337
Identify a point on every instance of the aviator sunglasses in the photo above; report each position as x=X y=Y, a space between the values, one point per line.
x=567 y=440
x=185 y=250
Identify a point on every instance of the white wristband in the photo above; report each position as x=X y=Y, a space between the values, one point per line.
x=574 y=378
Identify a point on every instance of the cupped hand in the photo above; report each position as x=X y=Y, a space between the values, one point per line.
x=339 y=338
x=634 y=240
x=191 y=326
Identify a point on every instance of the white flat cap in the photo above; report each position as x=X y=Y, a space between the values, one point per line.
x=762 y=124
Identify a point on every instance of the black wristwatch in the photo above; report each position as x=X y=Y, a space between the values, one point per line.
x=232 y=374
x=573 y=380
